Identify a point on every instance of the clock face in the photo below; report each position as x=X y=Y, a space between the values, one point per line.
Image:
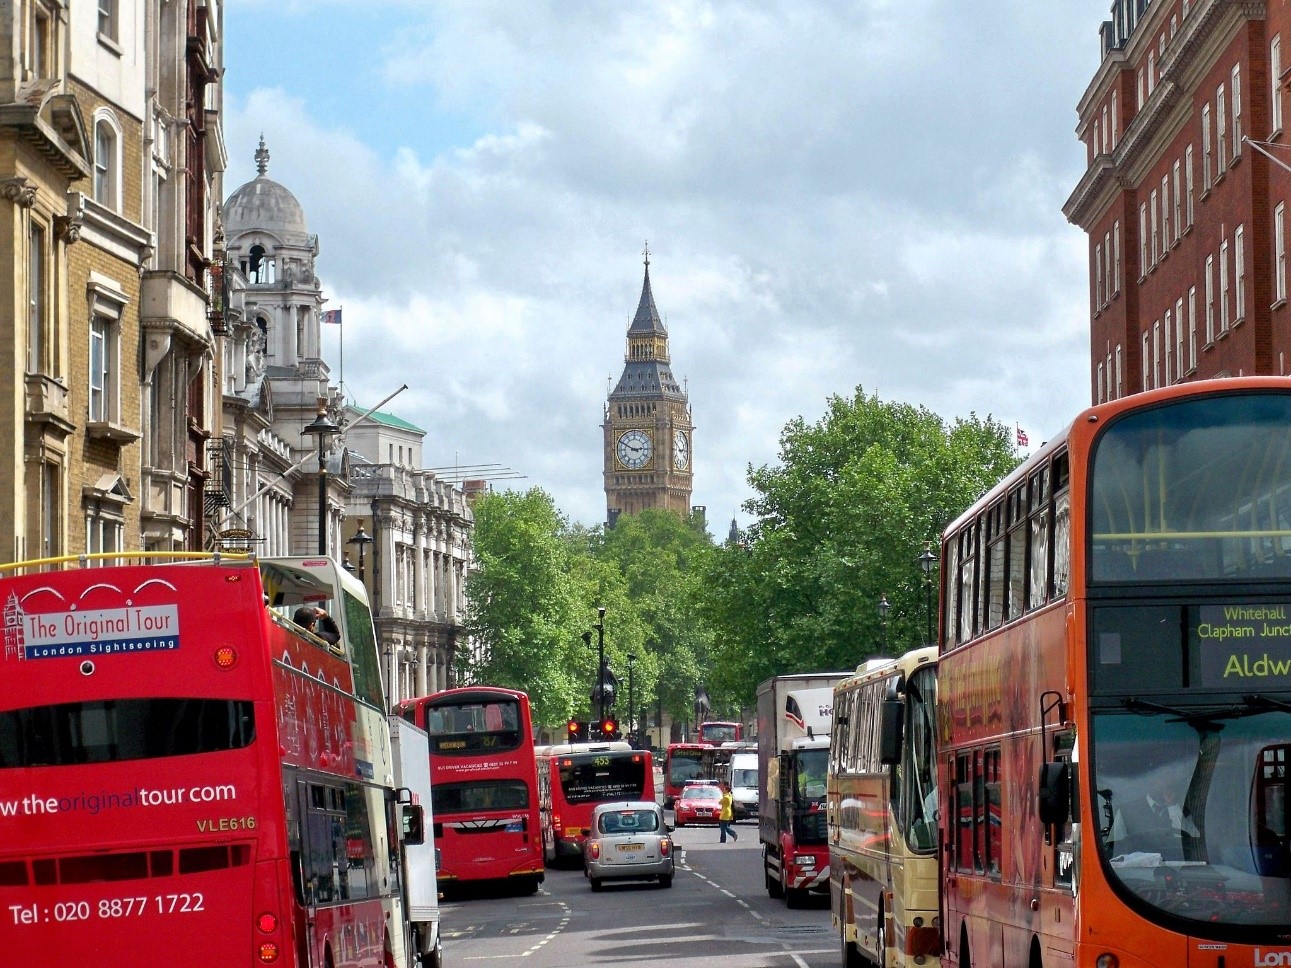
x=680 y=450
x=634 y=449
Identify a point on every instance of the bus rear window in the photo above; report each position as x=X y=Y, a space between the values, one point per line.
x=108 y=731
x=471 y=728
x=1191 y=491
x=601 y=778
x=449 y=798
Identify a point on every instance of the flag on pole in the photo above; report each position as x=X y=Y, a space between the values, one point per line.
x=332 y=316
x=1023 y=439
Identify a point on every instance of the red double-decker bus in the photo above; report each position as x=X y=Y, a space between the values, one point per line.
x=574 y=777
x=484 y=784
x=1114 y=697
x=714 y=733
x=681 y=762
x=183 y=769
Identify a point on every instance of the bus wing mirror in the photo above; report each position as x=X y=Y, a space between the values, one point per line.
x=1055 y=794
x=414 y=824
x=891 y=724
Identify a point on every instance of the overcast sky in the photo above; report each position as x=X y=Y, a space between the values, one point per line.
x=835 y=194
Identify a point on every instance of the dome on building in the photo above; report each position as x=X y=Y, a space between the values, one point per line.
x=263 y=204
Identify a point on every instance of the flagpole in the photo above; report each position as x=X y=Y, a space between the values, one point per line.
x=341 y=335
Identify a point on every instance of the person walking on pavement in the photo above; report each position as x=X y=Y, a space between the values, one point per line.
x=727 y=815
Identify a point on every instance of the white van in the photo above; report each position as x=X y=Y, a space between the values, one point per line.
x=743 y=778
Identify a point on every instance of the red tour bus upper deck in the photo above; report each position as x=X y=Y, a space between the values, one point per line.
x=185 y=769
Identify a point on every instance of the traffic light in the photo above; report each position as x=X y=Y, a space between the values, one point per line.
x=610 y=728
x=576 y=731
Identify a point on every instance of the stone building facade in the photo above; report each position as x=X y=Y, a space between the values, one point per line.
x=110 y=164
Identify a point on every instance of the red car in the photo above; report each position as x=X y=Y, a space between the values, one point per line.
x=698 y=803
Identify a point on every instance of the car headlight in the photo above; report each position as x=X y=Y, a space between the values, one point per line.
x=805 y=860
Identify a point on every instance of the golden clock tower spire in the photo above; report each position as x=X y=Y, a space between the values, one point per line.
x=648 y=432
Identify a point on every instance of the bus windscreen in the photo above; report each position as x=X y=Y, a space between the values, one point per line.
x=473 y=728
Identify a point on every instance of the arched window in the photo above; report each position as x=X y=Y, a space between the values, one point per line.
x=107 y=163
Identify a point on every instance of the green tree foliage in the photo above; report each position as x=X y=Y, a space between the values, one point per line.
x=840 y=523
x=527 y=604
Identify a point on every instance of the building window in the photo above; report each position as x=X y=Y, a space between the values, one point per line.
x=39 y=61
x=1102 y=394
x=1275 y=75
x=103 y=534
x=1165 y=213
x=1237 y=110
x=106 y=304
x=1120 y=390
x=1178 y=339
x=1223 y=287
x=1178 y=201
x=1192 y=328
x=37 y=302
x=108 y=19
x=1156 y=353
x=1107 y=267
x=1280 y=252
x=1098 y=277
x=1156 y=226
x=106 y=163
x=1239 y=274
x=1210 y=299
x=1187 y=179
x=1168 y=347
x=1205 y=147
x=1147 y=356
x=1152 y=72
x=1116 y=257
x=1221 y=132
x=1143 y=240
x=1116 y=121
x=1142 y=89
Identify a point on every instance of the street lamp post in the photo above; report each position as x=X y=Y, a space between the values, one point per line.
x=632 y=711
x=362 y=539
x=926 y=559
x=600 y=658
x=884 y=607
x=324 y=429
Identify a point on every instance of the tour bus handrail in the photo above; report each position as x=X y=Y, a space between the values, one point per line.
x=122 y=557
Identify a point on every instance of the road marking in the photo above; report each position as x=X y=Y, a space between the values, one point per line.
x=797 y=961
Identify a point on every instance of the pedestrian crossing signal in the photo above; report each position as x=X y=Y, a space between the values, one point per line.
x=576 y=731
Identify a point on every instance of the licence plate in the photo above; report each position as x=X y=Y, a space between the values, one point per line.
x=629 y=848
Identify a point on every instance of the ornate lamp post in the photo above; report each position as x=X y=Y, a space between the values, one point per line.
x=632 y=712
x=324 y=429
x=362 y=539
x=884 y=607
x=926 y=560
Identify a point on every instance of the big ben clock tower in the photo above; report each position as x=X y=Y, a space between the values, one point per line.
x=648 y=433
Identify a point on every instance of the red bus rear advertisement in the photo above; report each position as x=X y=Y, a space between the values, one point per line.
x=681 y=762
x=183 y=769
x=484 y=784
x=574 y=777
x=1114 y=704
x=715 y=733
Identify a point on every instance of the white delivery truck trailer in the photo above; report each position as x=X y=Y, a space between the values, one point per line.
x=411 y=748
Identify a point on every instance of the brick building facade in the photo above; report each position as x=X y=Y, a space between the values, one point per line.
x=1184 y=195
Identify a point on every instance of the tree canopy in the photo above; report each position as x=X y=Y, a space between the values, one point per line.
x=840 y=523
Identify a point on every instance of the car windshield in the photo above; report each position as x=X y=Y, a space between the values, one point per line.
x=629 y=822
x=700 y=793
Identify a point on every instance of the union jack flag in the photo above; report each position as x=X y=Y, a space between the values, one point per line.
x=1023 y=439
x=332 y=316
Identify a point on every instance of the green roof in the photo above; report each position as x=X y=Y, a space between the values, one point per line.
x=390 y=420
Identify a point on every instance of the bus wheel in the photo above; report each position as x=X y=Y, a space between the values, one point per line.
x=881 y=942
x=851 y=957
